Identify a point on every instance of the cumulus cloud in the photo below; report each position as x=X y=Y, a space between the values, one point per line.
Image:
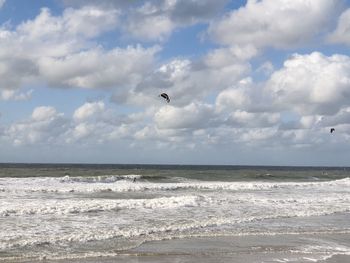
x=243 y=105
x=192 y=11
x=245 y=119
x=232 y=99
x=15 y=95
x=146 y=25
x=155 y=20
x=48 y=35
x=216 y=99
x=245 y=95
x=44 y=113
x=59 y=51
x=44 y=126
x=87 y=22
x=266 y=68
x=252 y=136
x=273 y=23
x=14 y=71
x=227 y=56
x=187 y=80
x=341 y=34
x=88 y=110
x=193 y=116
x=342 y=117
x=35 y=43
x=93 y=122
x=90 y=123
x=97 y=68
x=98 y=123
x=312 y=84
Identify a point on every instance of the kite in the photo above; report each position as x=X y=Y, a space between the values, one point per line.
x=165 y=96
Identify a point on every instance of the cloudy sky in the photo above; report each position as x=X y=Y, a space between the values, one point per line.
x=256 y=82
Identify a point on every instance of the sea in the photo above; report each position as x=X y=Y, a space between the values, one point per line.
x=66 y=212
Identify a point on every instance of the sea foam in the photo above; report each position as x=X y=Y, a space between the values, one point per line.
x=80 y=184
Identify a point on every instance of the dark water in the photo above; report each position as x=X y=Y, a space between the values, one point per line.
x=199 y=172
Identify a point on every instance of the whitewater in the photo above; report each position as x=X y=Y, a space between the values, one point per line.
x=103 y=213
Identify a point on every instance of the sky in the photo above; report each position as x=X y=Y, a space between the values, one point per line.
x=256 y=82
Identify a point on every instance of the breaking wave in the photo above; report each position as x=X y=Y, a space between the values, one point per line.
x=125 y=184
x=69 y=206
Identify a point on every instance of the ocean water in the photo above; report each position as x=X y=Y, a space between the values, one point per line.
x=82 y=211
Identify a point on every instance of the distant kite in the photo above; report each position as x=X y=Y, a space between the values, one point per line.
x=165 y=96
x=332 y=130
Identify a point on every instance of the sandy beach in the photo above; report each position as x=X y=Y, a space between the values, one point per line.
x=328 y=248
x=278 y=248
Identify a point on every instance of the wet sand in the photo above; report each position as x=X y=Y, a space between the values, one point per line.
x=328 y=248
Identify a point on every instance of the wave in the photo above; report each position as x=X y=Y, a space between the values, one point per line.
x=192 y=228
x=99 y=179
x=69 y=206
x=302 y=203
x=320 y=250
x=116 y=184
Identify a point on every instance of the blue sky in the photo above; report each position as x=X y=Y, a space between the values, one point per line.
x=251 y=82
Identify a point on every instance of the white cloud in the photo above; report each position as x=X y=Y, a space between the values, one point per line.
x=44 y=113
x=96 y=123
x=156 y=20
x=80 y=131
x=245 y=95
x=86 y=22
x=176 y=70
x=339 y=119
x=90 y=21
x=58 y=50
x=48 y=35
x=223 y=57
x=192 y=116
x=97 y=68
x=308 y=121
x=341 y=34
x=48 y=38
x=44 y=126
x=311 y=84
x=232 y=99
x=163 y=138
x=88 y=110
x=243 y=119
x=266 y=68
x=13 y=72
x=91 y=123
x=50 y=51
x=216 y=99
x=274 y=23
x=15 y=95
x=2 y=2
x=252 y=136
x=150 y=27
x=187 y=81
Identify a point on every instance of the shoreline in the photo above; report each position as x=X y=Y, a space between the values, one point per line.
x=328 y=248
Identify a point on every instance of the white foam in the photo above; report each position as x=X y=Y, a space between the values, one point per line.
x=60 y=206
x=80 y=184
x=320 y=250
x=71 y=206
